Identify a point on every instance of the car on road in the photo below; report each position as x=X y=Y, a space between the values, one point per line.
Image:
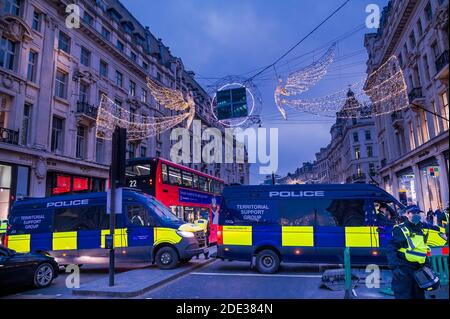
x=30 y=269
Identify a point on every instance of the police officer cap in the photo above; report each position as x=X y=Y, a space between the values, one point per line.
x=414 y=209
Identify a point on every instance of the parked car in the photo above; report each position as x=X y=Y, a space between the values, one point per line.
x=30 y=269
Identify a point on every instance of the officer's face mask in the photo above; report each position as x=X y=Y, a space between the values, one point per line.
x=415 y=219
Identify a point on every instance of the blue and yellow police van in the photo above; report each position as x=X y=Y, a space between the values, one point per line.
x=309 y=223
x=73 y=229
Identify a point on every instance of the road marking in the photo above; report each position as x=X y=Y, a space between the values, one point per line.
x=254 y=275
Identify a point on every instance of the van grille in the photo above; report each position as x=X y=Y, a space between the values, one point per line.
x=201 y=238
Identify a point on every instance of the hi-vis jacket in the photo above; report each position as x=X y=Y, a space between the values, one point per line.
x=408 y=246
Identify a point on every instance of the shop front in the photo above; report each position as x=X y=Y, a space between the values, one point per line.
x=431 y=191
x=407 y=186
x=14 y=183
x=62 y=183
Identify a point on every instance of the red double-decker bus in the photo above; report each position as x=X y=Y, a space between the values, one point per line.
x=190 y=194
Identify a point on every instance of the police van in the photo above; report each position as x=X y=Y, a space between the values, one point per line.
x=74 y=228
x=309 y=223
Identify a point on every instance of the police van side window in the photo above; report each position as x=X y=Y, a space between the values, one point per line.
x=138 y=216
x=249 y=212
x=340 y=212
x=297 y=212
x=34 y=221
x=77 y=218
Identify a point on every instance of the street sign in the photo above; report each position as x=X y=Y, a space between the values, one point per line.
x=117 y=201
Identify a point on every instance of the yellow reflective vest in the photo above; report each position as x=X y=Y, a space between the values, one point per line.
x=417 y=248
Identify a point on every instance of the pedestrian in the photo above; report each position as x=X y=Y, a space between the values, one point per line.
x=430 y=215
x=407 y=253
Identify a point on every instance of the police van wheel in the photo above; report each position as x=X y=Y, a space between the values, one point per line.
x=267 y=262
x=43 y=275
x=166 y=258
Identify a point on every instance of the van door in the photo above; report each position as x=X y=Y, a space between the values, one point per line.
x=139 y=231
x=340 y=223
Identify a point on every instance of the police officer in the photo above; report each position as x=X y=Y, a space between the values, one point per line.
x=406 y=253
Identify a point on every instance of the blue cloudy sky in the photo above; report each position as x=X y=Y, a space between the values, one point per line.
x=234 y=37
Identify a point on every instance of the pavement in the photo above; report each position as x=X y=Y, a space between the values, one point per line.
x=136 y=282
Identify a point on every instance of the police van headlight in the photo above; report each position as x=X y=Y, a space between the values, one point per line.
x=185 y=234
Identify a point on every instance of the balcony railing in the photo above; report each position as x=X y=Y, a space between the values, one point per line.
x=415 y=93
x=9 y=136
x=442 y=61
x=87 y=109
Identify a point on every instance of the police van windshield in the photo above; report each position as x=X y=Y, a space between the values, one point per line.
x=160 y=209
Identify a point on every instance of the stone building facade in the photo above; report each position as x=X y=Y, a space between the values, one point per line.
x=413 y=142
x=51 y=81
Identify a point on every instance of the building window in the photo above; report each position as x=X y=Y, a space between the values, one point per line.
x=158 y=154
x=445 y=109
x=26 y=124
x=143 y=151
x=428 y=12
x=81 y=142
x=144 y=65
x=132 y=89
x=437 y=128
x=435 y=49
x=405 y=48
x=119 y=79
x=119 y=45
x=419 y=130
x=372 y=170
x=419 y=27
x=64 y=42
x=357 y=153
x=106 y=34
x=61 y=84
x=133 y=56
x=358 y=170
x=131 y=150
x=85 y=58
x=11 y=7
x=368 y=135
x=132 y=114
x=36 y=24
x=355 y=137
x=144 y=96
x=88 y=19
x=57 y=135
x=7 y=53
x=103 y=69
x=84 y=92
x=412 y=141
x=369 y=150
x=32 y=65
x=99 y=150
x=427 y=68
x=425 y=131
x=400 y=59
x=412 y=39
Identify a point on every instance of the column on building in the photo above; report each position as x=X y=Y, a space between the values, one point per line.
x=443 y=178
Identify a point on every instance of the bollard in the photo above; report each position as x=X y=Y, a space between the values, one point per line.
x=348 y=274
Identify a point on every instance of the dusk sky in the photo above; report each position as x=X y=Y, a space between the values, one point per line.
x=234 y=37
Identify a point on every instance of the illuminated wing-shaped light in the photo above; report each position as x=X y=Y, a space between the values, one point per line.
x=305 y=78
